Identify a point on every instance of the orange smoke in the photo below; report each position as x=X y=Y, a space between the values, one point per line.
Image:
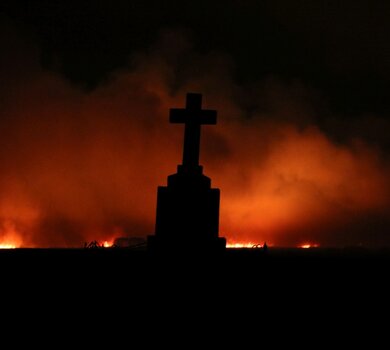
x=79 y=166
x=305 y=187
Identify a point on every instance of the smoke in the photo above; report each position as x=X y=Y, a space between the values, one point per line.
x=77 y=166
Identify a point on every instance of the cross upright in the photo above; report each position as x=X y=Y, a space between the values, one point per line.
x=193 y=116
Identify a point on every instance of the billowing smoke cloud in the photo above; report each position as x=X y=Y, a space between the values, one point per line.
x=77 y=166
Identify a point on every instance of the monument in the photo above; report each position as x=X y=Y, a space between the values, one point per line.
x=187 y=216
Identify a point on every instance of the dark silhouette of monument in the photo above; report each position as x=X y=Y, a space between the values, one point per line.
x=187 y=217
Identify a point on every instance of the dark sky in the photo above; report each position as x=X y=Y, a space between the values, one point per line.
x=340 y=48
x=302 y=92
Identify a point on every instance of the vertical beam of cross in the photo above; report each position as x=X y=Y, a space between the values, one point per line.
x=193 y=116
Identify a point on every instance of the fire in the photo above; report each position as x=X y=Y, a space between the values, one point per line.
x=308 y=245
x=107 y=244
x=7 y=246
x=97 y=244
x=10 y=237
x=242 y=245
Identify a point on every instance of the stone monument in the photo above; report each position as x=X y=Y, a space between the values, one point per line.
x=187 y=217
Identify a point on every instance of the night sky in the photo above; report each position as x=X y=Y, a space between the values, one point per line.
x=300 y=151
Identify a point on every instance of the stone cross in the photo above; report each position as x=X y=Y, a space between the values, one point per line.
x=193 y=116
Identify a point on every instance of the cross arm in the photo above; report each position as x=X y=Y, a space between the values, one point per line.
x=204 y=116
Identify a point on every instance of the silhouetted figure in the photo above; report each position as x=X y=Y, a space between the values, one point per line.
x=187 y=215
x=265 y=247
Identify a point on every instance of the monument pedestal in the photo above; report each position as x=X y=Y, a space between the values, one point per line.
x=187 y=215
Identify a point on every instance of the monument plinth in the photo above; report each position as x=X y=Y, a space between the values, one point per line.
x=187 y=217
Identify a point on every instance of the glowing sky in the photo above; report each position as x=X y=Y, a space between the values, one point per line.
x=80 y=165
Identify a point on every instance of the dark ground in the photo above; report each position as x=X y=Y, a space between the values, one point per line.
x=272 y=254
x=120 y=262
x=298 y=285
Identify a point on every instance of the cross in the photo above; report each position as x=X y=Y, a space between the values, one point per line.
x=193 y=116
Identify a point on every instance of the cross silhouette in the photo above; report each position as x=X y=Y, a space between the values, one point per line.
x=193 y=116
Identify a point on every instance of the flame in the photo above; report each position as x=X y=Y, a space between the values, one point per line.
x=99 y=244
x=7 y=246
x=308 y=245
x=243 y=245
x=107 y=244
x=9 y=236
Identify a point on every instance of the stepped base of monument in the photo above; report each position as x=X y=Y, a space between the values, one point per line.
x=161 y=245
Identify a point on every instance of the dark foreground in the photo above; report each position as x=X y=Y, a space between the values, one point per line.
x=125 y=261
x=230 y=253
x=240 y=278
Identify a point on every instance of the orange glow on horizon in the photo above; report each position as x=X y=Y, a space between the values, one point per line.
x=10 y=236
x=308 y=245
x=7 y=246
x=107 y=244
x=243 y=245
